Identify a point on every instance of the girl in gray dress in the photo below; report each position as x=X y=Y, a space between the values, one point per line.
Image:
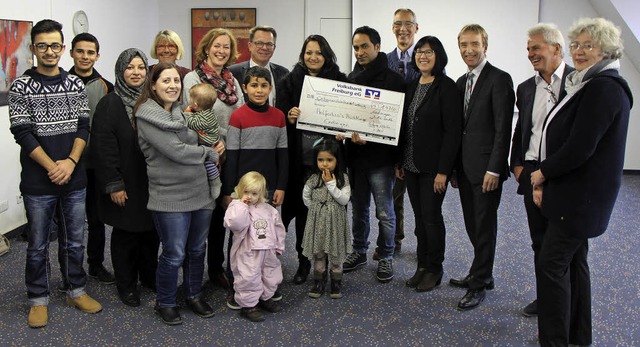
x=326 y=194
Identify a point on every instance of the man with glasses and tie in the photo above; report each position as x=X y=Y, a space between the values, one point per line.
x=262 y=44
x=49 y=118
x=482 y=164
x=404 y=28
x=535 y=98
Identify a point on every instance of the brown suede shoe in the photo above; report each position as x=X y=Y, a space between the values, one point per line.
x=38 y=316
x=85 y=304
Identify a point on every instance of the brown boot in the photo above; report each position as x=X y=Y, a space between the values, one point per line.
x=38 y=316
x=417 y=277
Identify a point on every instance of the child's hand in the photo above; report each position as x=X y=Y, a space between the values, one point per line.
x=246 y=200
x=327 y=176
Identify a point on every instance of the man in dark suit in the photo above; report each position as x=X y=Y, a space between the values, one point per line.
x=405 y=27
x=262 y=44
x=488 y=110
x=536 y=97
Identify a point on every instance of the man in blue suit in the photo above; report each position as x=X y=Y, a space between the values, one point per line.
x=536 y=97
x=486 y=133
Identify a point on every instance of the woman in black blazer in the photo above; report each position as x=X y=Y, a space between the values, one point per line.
x=430 y=139
x=582 y=157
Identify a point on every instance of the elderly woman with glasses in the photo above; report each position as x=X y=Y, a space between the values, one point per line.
x=167 y=48
x=430 y=139
x=582 y=156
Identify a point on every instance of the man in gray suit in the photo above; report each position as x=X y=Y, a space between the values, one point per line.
x=536 y=97
x=486 y=133
x=262 y=44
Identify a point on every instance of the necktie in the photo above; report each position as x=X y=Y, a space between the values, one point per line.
x=467 y=93
x=402 y=66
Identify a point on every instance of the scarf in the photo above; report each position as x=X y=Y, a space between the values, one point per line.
x=224 y=84
x=576 y=80
x=128 y=94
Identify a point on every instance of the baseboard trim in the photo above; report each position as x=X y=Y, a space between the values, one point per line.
x=12 y=234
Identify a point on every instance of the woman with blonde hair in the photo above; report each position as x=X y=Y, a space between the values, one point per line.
x=216 y=51
x=167 y=47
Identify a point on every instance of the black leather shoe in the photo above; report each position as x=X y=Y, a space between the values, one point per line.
x=200 y=307
x=531 y=310
x=472 y=299
x=129 y=298
x=464 y=282
x=169 y=315
x=302 y=273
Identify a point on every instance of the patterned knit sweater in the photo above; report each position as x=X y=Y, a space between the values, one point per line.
x=256 y=141
x=50 y=112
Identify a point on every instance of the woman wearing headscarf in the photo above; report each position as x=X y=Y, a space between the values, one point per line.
x=122 y=180
x=316 y=59
x=581 y=161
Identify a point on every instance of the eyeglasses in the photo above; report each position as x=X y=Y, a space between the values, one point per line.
x=172 y=48
x=260 y=44
x=428 y=53
x=587 y=46
x=406 y=24
x=43 y=47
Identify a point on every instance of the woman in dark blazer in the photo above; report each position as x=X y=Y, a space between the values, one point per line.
x=430 y=139
x=121 y=174
x=316 y=59
x=582 y=157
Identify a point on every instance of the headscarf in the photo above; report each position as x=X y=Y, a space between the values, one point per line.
x=225 y=84
x=128 y=94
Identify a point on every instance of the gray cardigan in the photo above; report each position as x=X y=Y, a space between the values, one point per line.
x=175 y=162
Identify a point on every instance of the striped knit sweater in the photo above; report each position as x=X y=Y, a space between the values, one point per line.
x=256 y=141
x=50 y=112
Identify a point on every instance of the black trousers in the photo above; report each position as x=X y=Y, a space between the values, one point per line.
x=537 y=222
x=480 y=211
x=430 y=229
x=96 y=238
x=134 y=255
x=564 y=289
x=215 y=241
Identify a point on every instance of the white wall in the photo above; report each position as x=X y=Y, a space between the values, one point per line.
x=564 y=14
x=286 y=16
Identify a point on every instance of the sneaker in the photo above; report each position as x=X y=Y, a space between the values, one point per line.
x=385 y=270
x=354 y=261
x=269 y=305
x=85 y=304
x=231 y=302
x=252 y=314
x=277 y=296
x=103 y=275
x=38 y=316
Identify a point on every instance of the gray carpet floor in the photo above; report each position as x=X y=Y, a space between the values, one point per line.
x=370 y=313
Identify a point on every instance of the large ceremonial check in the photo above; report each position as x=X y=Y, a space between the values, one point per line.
x=340 y=108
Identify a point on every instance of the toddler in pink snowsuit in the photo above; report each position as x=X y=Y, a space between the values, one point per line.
x=258 y=238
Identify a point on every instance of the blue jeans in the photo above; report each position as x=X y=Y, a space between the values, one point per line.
x=379 y=182
x=183 y=236
x=40 y=211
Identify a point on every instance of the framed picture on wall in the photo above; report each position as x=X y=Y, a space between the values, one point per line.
x=237 y=20
x=15 y=56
